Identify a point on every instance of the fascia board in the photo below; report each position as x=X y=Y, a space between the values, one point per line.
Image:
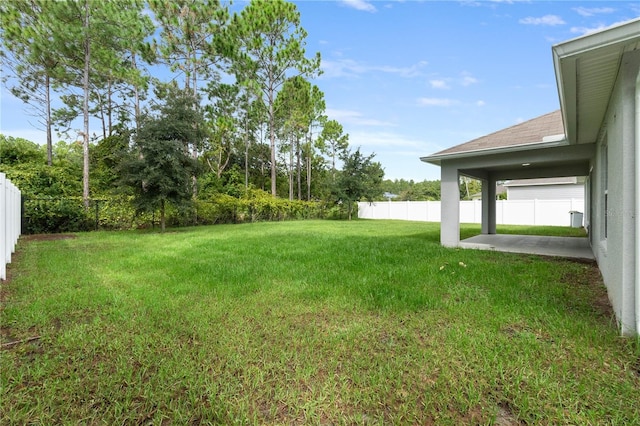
x=437 y=159
x=617 y=34
x=563 y=82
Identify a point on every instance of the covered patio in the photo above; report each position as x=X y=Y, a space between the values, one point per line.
x=569 y=247
x=533 y=149
x=595 y=134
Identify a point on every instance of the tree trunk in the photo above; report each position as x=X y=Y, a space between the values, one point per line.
x=272 y=137
x=47 y=88
x=308 y=178
x=85 y=107
x=104 y=125
x=109 y=109
x=333 y=164
x=246 y=161
x=136 y=95
x=298 y=169
x=291 y=171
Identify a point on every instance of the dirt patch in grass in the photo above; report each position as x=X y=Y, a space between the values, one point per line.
x=516 y=330
x=591 y=278
x=6 y=335
x=505 y=416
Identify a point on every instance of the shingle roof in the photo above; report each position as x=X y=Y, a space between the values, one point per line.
x=527 y=132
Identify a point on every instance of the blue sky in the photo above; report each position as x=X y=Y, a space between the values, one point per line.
x=409 y=78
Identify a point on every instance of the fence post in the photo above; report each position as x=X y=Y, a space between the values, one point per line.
x=4 y=241
x=13 y=216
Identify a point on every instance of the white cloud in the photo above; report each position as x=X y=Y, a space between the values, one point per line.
x=468 y=79
x=351 y=68
x=586 y=30
x=465 y=79
x=411 y=71
x=589 y=30
x=439 y=84
x=492 y=4
x=590 y=11
x=363 y=5
x=441 y=102
x=386 y=140
x=340 y=68
x=550 y=20
x=448 y=102
x=355 y=118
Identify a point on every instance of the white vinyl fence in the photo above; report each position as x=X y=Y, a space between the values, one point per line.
x=10 y=218
x=508 y=212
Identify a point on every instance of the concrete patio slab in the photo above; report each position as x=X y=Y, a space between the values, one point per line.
x=571 y=247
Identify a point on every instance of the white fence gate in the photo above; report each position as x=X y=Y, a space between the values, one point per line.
x=508 y=212
x=10 y=219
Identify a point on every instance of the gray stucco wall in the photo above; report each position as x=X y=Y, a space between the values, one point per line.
x=615 y=251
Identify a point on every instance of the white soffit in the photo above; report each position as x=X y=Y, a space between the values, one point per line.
x=586 y=72
x=596 y=77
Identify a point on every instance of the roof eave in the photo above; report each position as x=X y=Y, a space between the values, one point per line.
x=436 y=159
x=621 y=33
x=565 y=55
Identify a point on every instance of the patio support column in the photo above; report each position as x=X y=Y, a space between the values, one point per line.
x=489 y=206
x=450 y=206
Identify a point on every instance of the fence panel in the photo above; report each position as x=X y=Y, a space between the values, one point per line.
x=10 y=222
x=508 y=212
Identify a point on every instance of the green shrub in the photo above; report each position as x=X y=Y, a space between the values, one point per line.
x=55 y=215
x=116 y=212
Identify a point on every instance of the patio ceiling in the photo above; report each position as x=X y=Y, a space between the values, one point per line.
x=535 y=162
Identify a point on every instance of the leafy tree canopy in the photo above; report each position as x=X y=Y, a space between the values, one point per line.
x=160 y=168
x=361 y=178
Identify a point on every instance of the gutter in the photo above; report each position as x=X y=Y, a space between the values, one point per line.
x=637 y=205
x=614 y=34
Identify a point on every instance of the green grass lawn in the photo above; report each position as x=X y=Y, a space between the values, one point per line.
x=317 y=322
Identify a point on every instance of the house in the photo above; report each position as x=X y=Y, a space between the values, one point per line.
x=563 y=188
x=595 y=134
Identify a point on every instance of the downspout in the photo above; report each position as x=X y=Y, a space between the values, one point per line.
x=637 y=204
